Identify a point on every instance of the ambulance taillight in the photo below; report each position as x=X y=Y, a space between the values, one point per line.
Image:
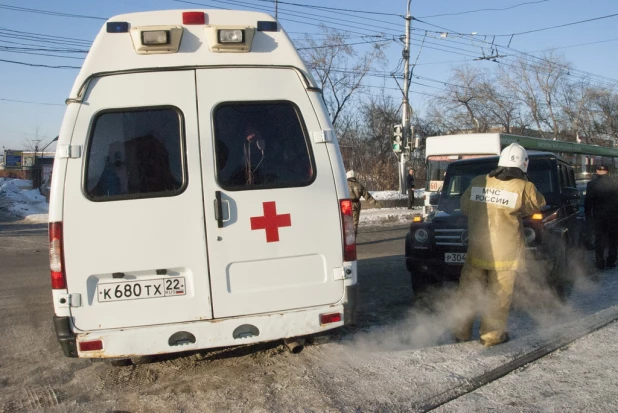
x=349 y=238
x=330 y=318
x=91 y=345
x=56 y=256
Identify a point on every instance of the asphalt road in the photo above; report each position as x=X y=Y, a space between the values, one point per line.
x=395 y=359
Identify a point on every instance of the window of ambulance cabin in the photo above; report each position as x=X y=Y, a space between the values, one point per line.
x=135 y=154
x=261 y=145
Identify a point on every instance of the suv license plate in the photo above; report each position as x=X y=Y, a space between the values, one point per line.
x=135 y=290
x=455 y=257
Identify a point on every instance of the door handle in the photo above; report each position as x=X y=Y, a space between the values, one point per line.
x=222 y=209
x=218 y=209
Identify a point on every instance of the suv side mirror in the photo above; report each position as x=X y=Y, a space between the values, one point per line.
x=570 y=194
x=434 y=198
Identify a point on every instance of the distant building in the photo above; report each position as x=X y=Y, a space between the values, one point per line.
x=21 y=164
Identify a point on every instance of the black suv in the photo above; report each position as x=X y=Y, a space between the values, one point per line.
x=436 y=249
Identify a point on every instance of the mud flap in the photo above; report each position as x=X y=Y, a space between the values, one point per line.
x=351 y=307
x=65 y=336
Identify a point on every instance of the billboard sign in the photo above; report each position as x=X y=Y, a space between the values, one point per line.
x=13 y=159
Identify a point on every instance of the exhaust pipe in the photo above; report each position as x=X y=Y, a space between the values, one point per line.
x=295 y=344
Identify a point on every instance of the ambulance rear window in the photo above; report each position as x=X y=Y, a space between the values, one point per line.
x=261 y=145
x=135 y=154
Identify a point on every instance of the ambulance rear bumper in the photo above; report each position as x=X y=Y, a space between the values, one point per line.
x=151 y=340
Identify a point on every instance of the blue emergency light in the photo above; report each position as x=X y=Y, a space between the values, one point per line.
x=266 y=26
x=117 y=27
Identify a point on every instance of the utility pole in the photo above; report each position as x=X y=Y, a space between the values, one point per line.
x=276 y=9
x=405 y=116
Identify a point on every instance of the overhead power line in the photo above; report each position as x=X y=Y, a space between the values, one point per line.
x=561 y=25
x=480 y=10
x=462 y=51
x=332 y=8
x=34 y=103
x=324 y=20
x=39 y=65
x=344 y=44
x=516 y=34
x=42 y=54
x=49 y=13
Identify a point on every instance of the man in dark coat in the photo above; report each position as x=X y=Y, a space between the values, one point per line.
x=600 y=206
x=410 y=181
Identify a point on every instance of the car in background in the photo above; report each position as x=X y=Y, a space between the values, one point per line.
x=435 y=250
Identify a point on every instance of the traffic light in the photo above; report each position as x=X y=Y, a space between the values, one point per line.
x=398 y=138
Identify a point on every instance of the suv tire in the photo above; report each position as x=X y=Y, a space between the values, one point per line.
x=560 y=279
x=421 y=284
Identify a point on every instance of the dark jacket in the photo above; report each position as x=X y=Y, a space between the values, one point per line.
x=410 y=181
x=601 y=199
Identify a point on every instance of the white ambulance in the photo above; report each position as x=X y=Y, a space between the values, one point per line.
x=199 y=197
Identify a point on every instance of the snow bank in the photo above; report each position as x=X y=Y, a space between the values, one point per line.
x=394 y=195
x=18 y=198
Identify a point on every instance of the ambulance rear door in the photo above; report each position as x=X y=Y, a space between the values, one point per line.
x=133 y=222
x=271 y=209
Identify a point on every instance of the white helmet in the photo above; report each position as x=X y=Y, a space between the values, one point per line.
x=350 y=174
x=514 y=156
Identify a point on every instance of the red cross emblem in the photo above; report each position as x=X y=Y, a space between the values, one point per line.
x=271 y=221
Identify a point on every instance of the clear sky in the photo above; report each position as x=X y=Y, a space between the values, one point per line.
x=27 y=27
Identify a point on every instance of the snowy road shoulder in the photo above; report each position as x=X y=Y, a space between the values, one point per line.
x=19 y=199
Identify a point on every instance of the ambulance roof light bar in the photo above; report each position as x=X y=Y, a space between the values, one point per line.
x=194 y=17
x=117 y=27
x=156 y=39
x=230 y=39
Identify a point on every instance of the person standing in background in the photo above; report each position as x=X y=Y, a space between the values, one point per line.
x=410 y=181
x=600 y=208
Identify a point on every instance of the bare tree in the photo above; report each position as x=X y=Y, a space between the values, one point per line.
x=605 y=106
x=462 y=101
x=374 y=157
x=32 y=142
x=338 y=67
x=502 y=109
x=518 y=80
x=549 y=71
x=575 y=102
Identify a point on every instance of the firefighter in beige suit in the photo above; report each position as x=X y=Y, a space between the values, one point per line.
x=358 y=190
x=495 y=204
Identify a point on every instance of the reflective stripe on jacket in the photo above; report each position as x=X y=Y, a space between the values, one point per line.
x=495 y=209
